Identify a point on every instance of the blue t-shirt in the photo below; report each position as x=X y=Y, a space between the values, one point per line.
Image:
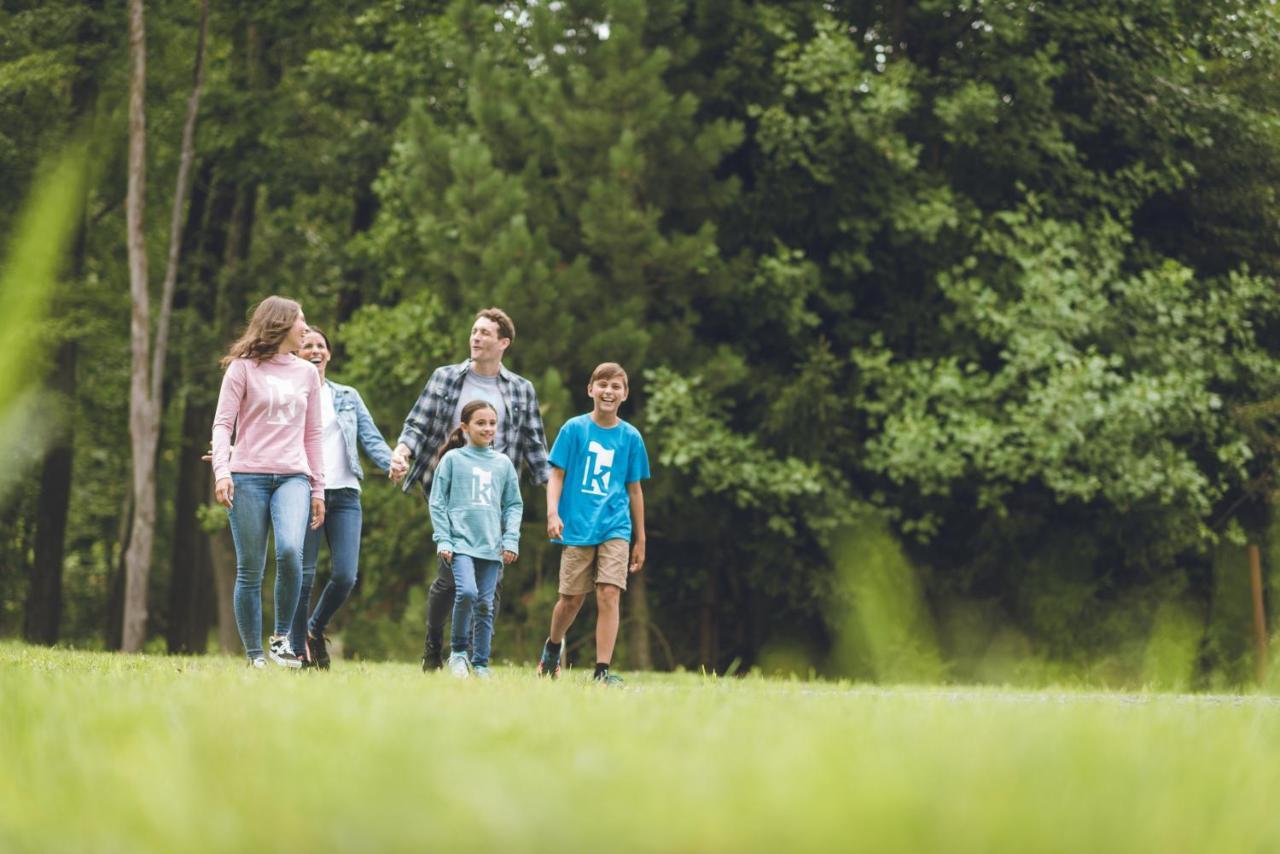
x=598 y=463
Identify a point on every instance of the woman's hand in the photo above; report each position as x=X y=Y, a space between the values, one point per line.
x=224 y=491
x=317 y=513
x=399 y=463
x=508 y=556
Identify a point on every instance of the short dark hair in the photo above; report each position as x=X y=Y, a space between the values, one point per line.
x=506 y=329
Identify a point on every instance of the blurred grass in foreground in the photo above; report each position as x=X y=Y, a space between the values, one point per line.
x=107 y=753
x=34 y=255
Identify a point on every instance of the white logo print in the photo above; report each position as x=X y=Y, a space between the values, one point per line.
x=595 y=474
x=283 y=406
x=481 y=486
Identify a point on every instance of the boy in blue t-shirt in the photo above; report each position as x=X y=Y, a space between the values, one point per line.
x=595 y=509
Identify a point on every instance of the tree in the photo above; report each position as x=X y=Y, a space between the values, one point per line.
x=148 y=360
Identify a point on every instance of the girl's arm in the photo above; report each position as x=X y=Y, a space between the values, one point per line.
x=224 y=418
x=370 y=437
x=636 y=496
x=441 y=488
x=512 y=510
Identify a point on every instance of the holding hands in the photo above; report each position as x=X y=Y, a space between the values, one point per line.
x=399 y=463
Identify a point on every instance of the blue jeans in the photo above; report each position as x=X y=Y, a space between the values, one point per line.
x=261 y=503
x=474 y=579
x=342 y=519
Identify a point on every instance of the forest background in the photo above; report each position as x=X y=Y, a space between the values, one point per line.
x=951 y=325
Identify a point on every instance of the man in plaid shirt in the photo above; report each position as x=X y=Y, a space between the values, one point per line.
x=437 y=412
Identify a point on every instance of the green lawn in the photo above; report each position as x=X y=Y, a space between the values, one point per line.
x=113 y=753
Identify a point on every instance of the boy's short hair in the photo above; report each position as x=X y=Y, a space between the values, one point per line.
x=607 y=371
x=506 y=328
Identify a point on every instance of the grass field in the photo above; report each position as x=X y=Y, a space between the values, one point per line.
x=102 y=752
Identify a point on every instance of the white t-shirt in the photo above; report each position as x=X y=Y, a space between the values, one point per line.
x=337 y=467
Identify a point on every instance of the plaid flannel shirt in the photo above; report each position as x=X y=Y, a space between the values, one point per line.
x=428 y=423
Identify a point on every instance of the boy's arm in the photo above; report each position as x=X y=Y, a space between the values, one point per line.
x=635 y=494
x=555 y=485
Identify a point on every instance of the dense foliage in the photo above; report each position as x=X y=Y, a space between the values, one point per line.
x=989 y=284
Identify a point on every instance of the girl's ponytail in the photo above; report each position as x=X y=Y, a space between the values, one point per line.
x=453 y=440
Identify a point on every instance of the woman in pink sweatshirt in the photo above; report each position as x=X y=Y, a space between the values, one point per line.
x=271 y=400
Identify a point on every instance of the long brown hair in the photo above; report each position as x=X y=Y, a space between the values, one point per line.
x=457 y=438
x=270 y=324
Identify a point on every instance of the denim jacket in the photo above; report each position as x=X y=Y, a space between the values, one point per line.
x=358 y=428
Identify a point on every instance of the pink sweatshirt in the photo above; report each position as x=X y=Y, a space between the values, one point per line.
x=274 y=408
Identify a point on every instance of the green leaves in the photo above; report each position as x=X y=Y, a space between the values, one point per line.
x=1067 y=371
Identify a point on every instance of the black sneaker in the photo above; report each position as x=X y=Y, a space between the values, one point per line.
x=319 y=650
x=431 y=654
x=549 y=665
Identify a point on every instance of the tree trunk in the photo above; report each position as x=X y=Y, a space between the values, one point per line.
x=142 y=414
x=115 y=605
x=147 y=370
x=708 y=631
x=639 y=644
x=44 y=598
x=222 y=560
x=44 y=601
x=191 y=592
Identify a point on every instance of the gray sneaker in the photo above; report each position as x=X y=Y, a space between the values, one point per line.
x=459 y=666
x=481 y=671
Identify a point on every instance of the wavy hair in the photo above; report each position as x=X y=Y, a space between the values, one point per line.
x=268 y=327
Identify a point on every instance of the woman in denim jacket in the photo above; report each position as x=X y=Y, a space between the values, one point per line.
x=347 y=423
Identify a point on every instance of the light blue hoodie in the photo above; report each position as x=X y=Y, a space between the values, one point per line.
x=475 y=504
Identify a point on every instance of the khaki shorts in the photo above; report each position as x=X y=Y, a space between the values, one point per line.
x=583 y=567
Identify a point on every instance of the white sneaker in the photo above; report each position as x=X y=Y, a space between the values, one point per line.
x=481 y=671
x=281 y=653
x=458 y=665
x=258 y=663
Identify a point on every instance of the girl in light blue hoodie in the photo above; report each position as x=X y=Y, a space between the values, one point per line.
x=475 y=510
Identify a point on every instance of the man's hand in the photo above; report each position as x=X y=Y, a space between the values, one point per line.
x=399 y=463
x=637 y=556
x=508 y=557
x=555 y=527
x=224 y=492
x=317 y=513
